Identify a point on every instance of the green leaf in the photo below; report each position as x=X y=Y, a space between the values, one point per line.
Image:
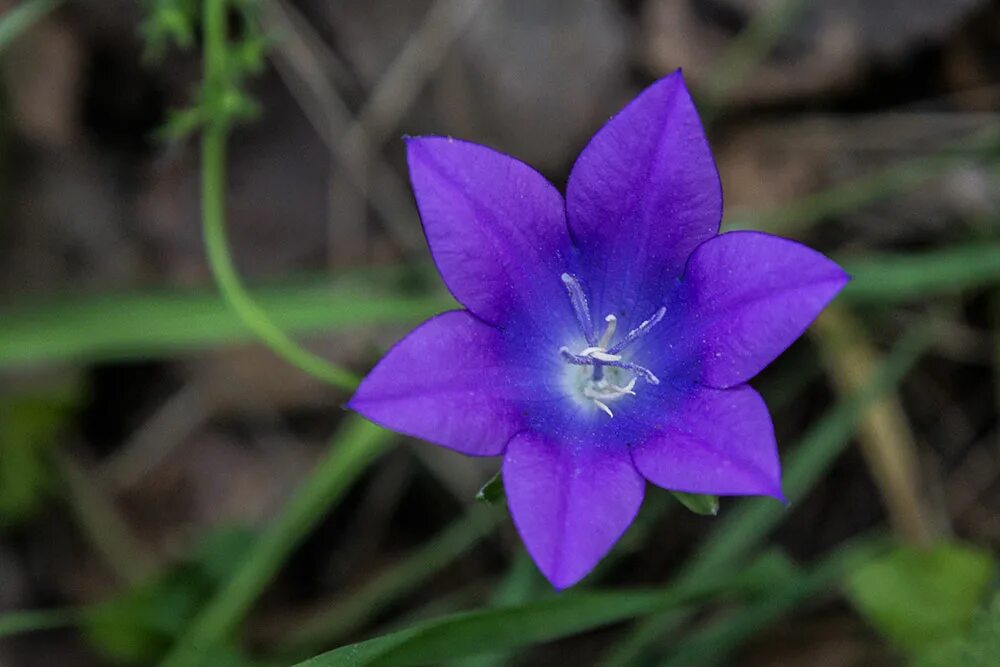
x=498 y=629
x=748 y=523
x=159 y=323
x=151 y=324
x=890 y=278
x=918 y=598
x=979 y=649
x=29 y=426
x=140 y=624
x=383 y=590
x=492 y=492
x=355 y=446
x=17 y=622
x=699 y=504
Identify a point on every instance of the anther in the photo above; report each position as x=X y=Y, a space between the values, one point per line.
x=638 y=332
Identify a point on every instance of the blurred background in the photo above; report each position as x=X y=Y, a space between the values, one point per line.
x=149 y=448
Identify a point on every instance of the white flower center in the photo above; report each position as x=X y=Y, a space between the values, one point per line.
x=605 y=376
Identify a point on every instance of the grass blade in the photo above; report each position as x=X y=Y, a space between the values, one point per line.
x=142 y=325
x=15 y=21
x=16 y=622
x=745 y=527
x=383 y=590
x=498 y=629
x=354 y=448
x=890 y=278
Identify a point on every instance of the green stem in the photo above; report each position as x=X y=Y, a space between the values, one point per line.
x=356 y=445
x=213 y=147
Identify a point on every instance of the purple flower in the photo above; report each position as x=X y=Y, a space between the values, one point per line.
x=607 y=338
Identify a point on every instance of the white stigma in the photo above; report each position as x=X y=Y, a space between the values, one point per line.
x=601 y=391
x=609 y=333
x=603 y=366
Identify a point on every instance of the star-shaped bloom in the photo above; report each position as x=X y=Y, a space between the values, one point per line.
x=607 y=337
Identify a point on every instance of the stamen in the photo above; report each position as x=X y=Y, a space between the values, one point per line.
x=646 y=374
x=576 y=359
x=599 y=353
x=638 y=332
x=578 y=298
x=609 y=333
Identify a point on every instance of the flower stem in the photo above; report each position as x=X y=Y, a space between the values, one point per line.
x=354 y=448
x=213 y=154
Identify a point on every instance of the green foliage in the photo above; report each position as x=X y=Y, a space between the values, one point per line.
x=897 y=278
x=921 y=597
x=29 y=429
x=697 y=503
x=155 y=324
x=502 y=628
x=223 y=97
x=745 y=527
x=168 y=23
x=18 y=19
x=139 y=625
x=384 y=589
x=979 y=649
x=17 y=622
x=353 y=449
x=492 y=492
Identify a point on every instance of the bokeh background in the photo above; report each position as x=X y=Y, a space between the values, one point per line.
x=148 y=446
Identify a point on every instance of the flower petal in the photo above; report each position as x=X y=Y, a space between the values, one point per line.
x=642 y=195
x=718 y=442
x=448 y=382
x=496 y=229
x=750 y=295
x=570 y=503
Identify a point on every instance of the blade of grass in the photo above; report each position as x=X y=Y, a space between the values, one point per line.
x=102 y=328
x=518 y=586
x=101 y=524
x=870 y=188
x=893 y=278
x=885 y=437
x=17 y=20
x=746 y=51
x=715 y=643
x=743 y=529
x=497 y=629
x=16 y=622
x=143 y=325
x=391 y=585
x=356 y=445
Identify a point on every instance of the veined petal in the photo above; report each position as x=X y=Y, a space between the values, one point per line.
x=717 y=442
x=450 y=383
x=496 y=229
x=570 y=502
x=642 y=195
x=750 y=295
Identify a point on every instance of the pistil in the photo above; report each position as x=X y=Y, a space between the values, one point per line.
x=601 y=353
